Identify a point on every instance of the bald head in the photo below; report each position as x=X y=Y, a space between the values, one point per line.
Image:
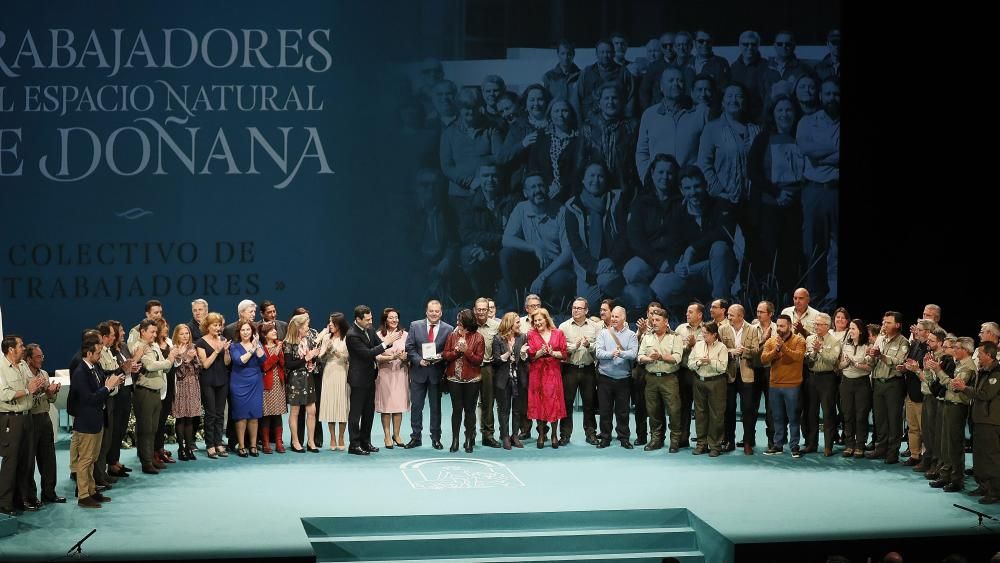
x=800 y=299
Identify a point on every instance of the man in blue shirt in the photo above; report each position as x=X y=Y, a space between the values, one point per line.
x=617 y=349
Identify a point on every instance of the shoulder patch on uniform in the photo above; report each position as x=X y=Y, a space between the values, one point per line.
x=993 y=381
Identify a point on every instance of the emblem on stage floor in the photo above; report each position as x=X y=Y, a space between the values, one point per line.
x=437 y=473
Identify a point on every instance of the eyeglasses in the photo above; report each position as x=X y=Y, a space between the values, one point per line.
x=579 y=308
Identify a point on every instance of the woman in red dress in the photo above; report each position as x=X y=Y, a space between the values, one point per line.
x=546 y=349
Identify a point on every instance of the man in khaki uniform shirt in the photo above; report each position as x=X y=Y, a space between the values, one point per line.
x=16 y=390
x=151 y=380
x=951 y=475
x=579 y=370
x=661 y=352
x=746 y=349
x=888 y=351
x=43 y=451
x=986 y=415
x=822 y=355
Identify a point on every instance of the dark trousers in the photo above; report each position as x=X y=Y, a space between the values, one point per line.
x=522 y=405
x=732 y=391
x=750 y=396
x=613 y=397
x=856 y=400
x=147 y=415
x=953 y=442
x=165 y=406
x=507 y=410
x=686 y=381
x=487 y=399
x=822 y=393
x=15 y=449
x=119 y=422
x=361 y=415
x=318 y=430
x=582 y=378
x=887 y=401
x=637 y=393
x=42 y=452
x=464 y=397
x=419 y=393
x=213 y=399
x=930 y=424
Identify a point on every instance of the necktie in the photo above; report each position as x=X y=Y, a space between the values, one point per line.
x=430 y=333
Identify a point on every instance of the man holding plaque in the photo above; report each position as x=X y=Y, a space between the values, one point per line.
x=424 y=344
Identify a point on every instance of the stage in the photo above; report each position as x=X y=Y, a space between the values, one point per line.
x=280 y=506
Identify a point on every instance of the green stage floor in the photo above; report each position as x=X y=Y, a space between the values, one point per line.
x=243 y=508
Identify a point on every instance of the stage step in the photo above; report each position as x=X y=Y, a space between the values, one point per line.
x=628 y=535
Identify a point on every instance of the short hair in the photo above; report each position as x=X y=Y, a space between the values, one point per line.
x=9 y=342
x=723 y=303
x=524 y=95
x=967 y=344
x=711 y=328
x=767 y=305
x=104 y=328
x=360 y=311
x=989 y=347
x=545 y=313
x=265 y=304
x=200 y=301
x=750 y=34
x=146 y=323
x=939 y=333
x=609 y=85
x=482 y=300
x=29 y=350
x=832 y=80
x=824 y=317
x=935 y=308
x=582 y=298
x=617 y=35
x=210 y=319
x=468 y=320
x=659 y=312
x=623 y=313
x=738 y=307
x=692 y=171
x=685 y=34
x=565 y=43
x=495 y=79
x=784 y=32
x=896 y=315
x=785 y=318
x=432 y=302
x=699 y=306
x=927 y=324
x=991 y=327
x=531 y=296
x=605 y=41
x=153 y=303
x=244 y=305
x=87 y=346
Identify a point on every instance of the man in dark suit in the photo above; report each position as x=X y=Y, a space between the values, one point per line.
x=269 y=312
x=425 y=374
x=363 y=346
x=88 y=397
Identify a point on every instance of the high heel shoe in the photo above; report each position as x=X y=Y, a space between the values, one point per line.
x=298 y=450
x=191 y=456
x=242 y=452
x=388 y=445
x=396 y=441
x=312 y=449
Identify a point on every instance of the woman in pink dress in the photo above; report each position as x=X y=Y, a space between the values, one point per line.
x=392 y=388
x=546 y=348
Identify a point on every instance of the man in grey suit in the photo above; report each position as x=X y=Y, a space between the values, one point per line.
x=426 y=374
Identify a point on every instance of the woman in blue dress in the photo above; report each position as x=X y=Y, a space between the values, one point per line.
x=246 y=388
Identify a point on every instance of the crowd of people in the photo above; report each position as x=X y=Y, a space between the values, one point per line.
x=816 y=374
x=680 y=174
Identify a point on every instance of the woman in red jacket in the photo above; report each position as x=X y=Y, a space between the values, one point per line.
x=274 y=389
x=546 y=349
x=464 y=351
